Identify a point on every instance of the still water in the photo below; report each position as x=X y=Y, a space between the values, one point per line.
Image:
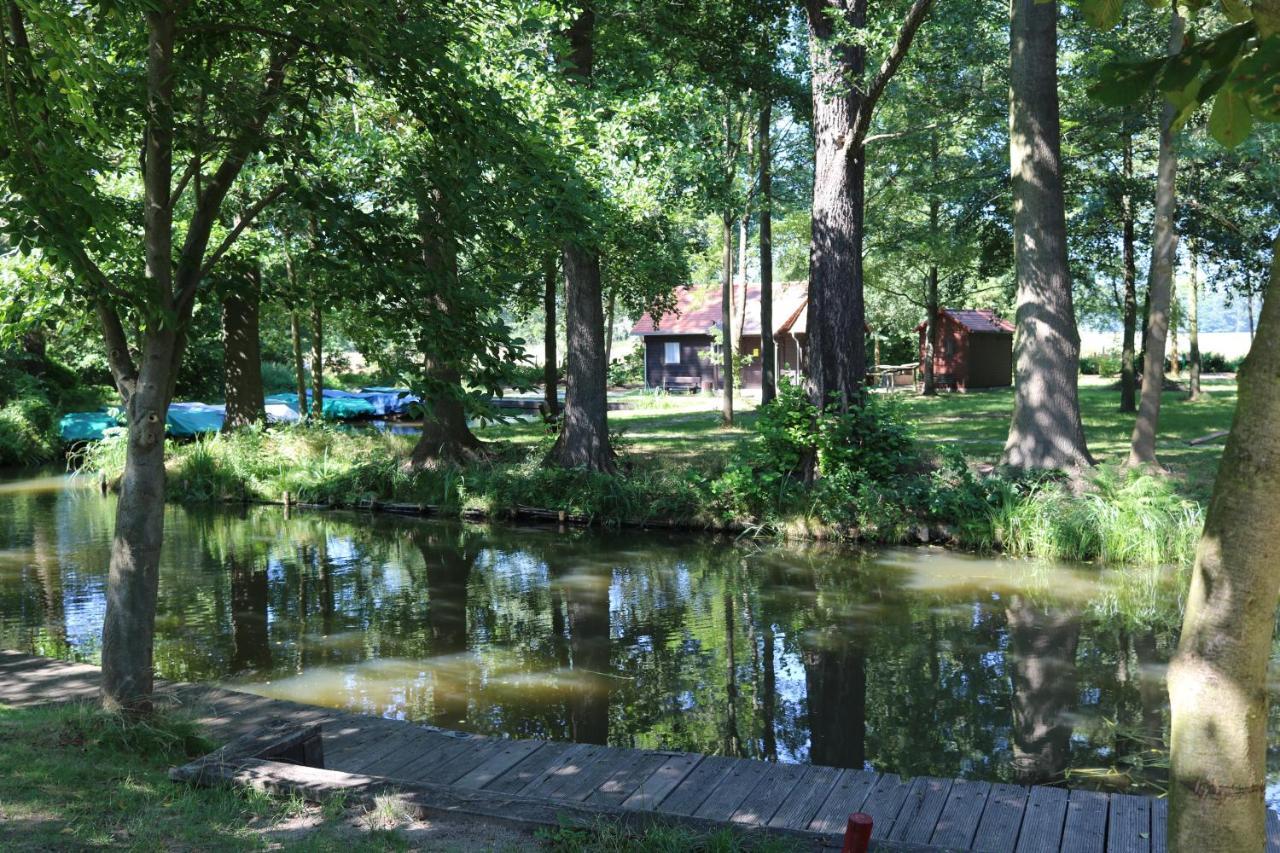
x=916 y=661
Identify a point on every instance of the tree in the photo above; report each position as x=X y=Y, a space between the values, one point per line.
x=1164 y=248
x=842 y=112
x=1217 y=680
x=210 y=88
x=584 y=431
x=242 y=349
x=1046 y=431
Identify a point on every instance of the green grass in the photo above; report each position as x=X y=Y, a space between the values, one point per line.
x=76 y=777
x=978 y=423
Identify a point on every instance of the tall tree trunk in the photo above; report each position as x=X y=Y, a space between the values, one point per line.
x=242 y=353
x=742 y=257
x=1046 y=431
x=1128 y=374
x=768 y=355
x=726 y=321
x=1164 y=245
x=1193 y=320
x=445 y=433
x=299 y=365
x=128 y=628
x=584 y=432
x=836 y=313
x=931 y=306
x=608 y=328
x=317 y=363
x=842 y=109
x=1218 y=679
x=1175 y=320
x=550 y=367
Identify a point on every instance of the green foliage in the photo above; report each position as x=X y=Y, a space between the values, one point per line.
x=1122 y=517
x=1103 y=364
x=628 y=370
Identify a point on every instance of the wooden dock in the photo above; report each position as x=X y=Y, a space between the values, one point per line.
x=923 y=813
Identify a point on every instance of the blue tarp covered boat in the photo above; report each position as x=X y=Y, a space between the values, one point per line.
x=389 y=401
x=88 y=426
x=337 y=405
x=188 y=419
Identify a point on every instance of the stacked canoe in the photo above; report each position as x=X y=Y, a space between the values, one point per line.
x=186 y=420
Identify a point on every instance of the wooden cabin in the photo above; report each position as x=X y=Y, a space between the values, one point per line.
x=973 y=349
x=680 y=350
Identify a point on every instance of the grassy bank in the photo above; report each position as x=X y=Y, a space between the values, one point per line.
x=75 y=777
x=916 y=471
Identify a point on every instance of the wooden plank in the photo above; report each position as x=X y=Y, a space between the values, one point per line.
x=425 y=801
x=394 y=743
x=1160 y=827
x=448 y=773
x=697 y=786
x=1042 y=822
x=662 y=782
x=559 y=763
x=800 y=806
x=848 y=796
x=1273 y=831
x=1129 y=829
x=1001 y=819
x=419 y=756
x=511 y=754
x=344 y=751
x=733 y=788
x=634 y=767
x=762 y=803
x=530 y=769
x=884 y=802
x=958 y=822
x=920 y=811
x=1086 y=827
x=576 y=779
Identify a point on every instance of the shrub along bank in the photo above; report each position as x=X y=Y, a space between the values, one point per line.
x=858 y=476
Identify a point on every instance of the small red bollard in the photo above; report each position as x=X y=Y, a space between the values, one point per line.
x=857 y=835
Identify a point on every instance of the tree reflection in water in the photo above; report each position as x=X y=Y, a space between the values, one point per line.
x=918 y=662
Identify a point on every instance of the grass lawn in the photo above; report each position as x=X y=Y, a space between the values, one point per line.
x=977 y=423
x=687 y=428
x=73 y=777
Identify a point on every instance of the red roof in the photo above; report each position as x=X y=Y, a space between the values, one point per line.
x=977 y=320
x=698 y=309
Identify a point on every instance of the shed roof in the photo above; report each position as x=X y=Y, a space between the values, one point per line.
x=977 y=321
x=698 y=309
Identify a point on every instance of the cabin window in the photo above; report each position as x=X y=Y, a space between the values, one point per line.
x=671 y=352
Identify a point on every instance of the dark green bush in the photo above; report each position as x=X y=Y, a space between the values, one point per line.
x=628 y=370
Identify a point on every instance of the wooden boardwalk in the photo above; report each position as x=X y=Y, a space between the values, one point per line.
x=910 y=814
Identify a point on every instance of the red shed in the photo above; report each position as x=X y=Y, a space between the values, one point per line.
x=974 y=349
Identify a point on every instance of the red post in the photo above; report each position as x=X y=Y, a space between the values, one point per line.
x=857 y=835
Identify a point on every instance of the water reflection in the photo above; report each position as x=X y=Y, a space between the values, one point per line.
x=913 y=661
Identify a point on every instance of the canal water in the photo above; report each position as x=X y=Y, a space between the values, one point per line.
x=916 y=661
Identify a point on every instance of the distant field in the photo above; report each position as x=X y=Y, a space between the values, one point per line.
x=687 y=428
